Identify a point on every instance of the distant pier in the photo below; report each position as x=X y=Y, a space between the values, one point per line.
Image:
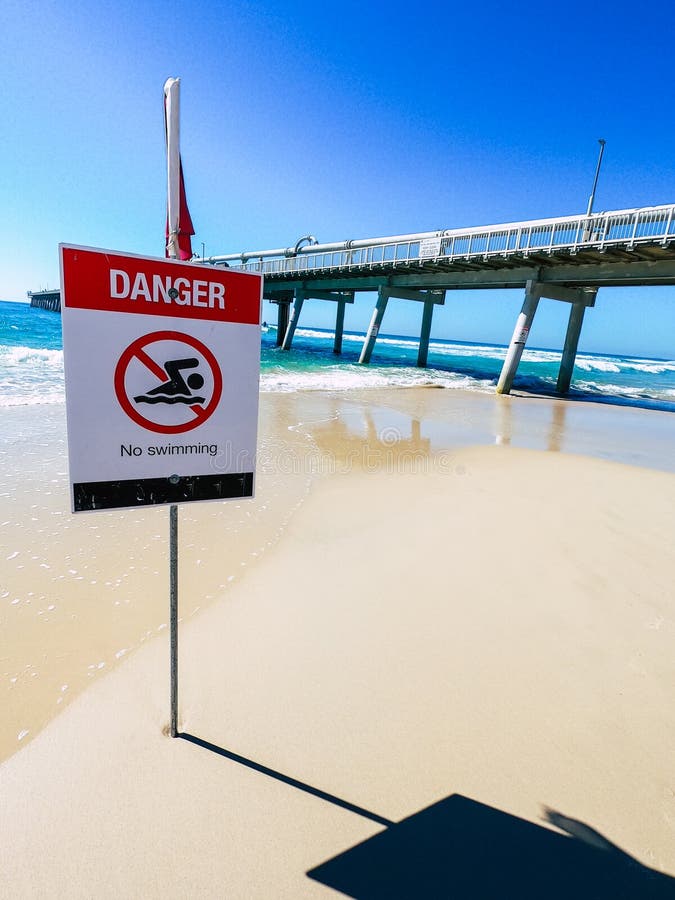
x=50 y=300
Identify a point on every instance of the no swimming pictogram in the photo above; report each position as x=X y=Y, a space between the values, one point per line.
x=168 y=382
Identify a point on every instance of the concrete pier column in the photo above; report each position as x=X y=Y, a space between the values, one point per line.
x=570 y=349
x=374 y=327
x=293 y=324
x=339 y=326
x=520 y=333
x=283 y=313
x=423 y=352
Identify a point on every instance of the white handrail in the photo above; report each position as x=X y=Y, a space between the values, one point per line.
x=625 y=226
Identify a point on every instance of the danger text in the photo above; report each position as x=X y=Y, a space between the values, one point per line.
x=165 y=289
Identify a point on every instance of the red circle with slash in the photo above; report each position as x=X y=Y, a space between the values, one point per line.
x=137 y=351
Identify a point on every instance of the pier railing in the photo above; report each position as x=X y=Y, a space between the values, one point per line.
x=626 y=228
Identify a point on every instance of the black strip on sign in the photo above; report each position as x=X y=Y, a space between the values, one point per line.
x=150 y=491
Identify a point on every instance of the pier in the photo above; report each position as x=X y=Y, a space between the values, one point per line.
x=564 y=259
x=50 y=300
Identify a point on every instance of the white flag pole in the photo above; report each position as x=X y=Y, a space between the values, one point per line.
x=172 y=107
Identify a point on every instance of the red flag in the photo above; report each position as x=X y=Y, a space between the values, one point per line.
x=185 y=227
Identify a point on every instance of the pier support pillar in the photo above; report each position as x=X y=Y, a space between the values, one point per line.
x=339 y=326
x=579 y=298
x=293 y=324
x=429 y=298
x=425 y=333
x=569 y=355
x=288 y=323
x=283 y=313
x=374 y=327
x=520 y=333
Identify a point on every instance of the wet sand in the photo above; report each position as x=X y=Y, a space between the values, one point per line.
x=428 y=598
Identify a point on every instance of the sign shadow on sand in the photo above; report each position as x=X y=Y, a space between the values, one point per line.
x=458 y=849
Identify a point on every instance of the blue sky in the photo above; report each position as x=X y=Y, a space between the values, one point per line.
x=344 y=121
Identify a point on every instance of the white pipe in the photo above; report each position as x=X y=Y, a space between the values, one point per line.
x=172 y=112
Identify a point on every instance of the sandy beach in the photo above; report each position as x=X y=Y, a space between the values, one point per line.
x=437 y=600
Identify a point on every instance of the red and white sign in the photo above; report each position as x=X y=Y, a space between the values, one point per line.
x=162 y=363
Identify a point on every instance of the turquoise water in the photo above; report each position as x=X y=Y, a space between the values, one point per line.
x=31 y=365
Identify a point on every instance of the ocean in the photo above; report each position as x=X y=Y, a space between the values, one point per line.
x=31 y=365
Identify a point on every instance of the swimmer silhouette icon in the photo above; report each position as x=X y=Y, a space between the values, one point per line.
x=176 y=389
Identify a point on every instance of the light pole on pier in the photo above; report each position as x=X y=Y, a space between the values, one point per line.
x=595 y=180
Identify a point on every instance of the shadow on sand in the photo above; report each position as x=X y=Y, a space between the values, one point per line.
x=286 y=779
x=458 y=849
x=462 y=850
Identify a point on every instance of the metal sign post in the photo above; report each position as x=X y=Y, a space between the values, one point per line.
x=173 y=614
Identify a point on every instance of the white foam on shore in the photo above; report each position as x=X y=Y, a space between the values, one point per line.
x=31 y=376
x=345 y=378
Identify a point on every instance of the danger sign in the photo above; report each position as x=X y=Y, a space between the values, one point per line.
x=162 y=364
